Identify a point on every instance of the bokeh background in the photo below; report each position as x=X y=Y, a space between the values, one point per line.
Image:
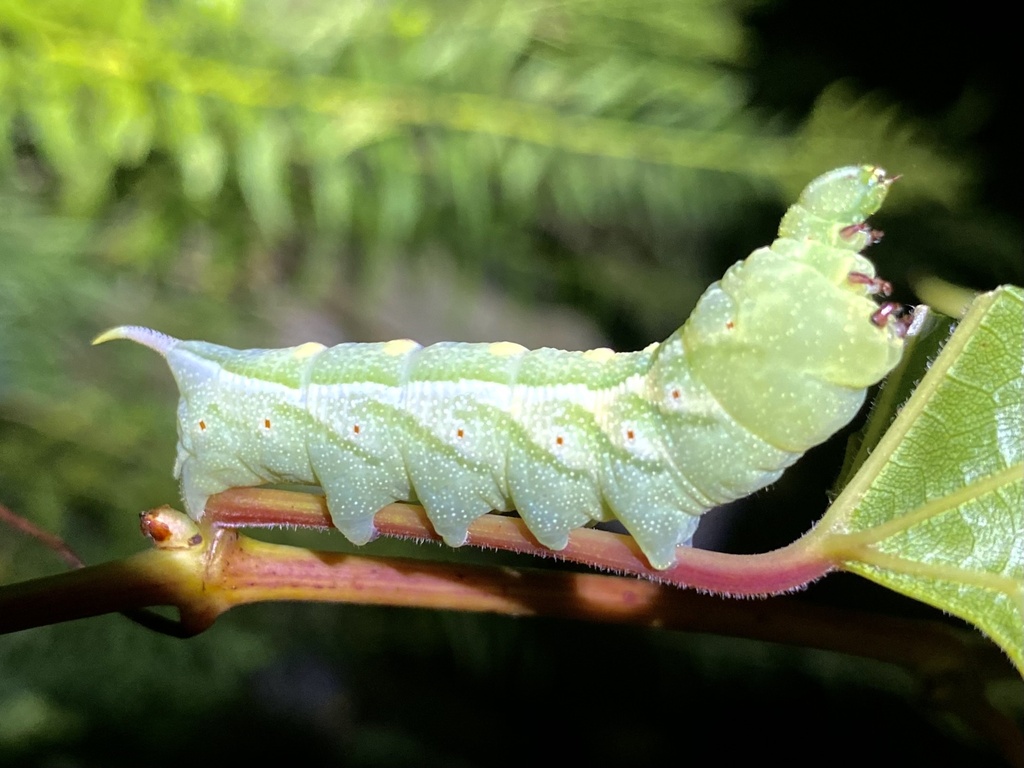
x=565 y=174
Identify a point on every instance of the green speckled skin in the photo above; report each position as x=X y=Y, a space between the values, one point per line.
x=774 y=359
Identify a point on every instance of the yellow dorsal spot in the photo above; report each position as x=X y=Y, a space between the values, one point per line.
x=399 y=347
x=506 y=349
x=599 y=355
x=308 y=349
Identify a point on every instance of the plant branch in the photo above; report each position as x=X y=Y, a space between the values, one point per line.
x=205 y=571
x=785 y=569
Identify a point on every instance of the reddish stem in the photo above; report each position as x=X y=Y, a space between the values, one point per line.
x=785 y=569
x=46 y=538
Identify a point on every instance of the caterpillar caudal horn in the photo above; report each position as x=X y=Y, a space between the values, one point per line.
x=147 y=337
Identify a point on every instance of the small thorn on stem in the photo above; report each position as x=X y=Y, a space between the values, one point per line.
x=170 y=529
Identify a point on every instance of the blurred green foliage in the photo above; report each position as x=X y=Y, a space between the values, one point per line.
x=263 y=173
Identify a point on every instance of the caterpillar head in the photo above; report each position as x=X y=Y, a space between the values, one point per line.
x=790 y=338
x=834 y=207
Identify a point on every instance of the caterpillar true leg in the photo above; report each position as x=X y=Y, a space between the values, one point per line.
x=876 y=285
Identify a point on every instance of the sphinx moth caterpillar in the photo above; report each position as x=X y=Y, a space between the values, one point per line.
x=774 y=359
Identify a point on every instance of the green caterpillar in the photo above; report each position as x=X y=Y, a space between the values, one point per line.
x=774 y=359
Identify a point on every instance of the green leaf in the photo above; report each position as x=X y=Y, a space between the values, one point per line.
x=937 y=511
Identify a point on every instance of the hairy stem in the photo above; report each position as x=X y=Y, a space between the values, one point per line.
x=785 y=569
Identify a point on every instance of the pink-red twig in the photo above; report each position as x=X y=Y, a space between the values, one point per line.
x=783 y=570
x=45 y=538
